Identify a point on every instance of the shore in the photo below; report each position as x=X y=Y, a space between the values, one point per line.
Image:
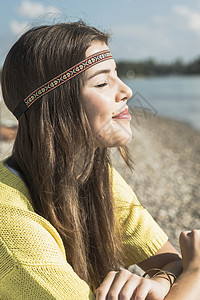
x=166 y=178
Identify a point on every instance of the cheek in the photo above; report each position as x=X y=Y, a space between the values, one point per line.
x=98 y=110
x=92 y=110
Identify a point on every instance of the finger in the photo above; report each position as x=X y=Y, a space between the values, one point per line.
x=141 y=291
x=194 y=233
x=188 y=235
x=120 y=280
x=129 y=288
x=184 y=235
x=103 y=289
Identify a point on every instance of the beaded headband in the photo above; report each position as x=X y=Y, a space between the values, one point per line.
x=60 y=79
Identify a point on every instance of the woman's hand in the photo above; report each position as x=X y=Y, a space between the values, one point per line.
x=126 y=285
x=190 y=249
x=188 y=284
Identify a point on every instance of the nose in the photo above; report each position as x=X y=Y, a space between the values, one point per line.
x=124 y=92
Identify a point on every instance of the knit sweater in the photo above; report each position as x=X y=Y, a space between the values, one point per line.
x=33 y=262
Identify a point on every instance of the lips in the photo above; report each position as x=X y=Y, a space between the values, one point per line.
x=123 y=115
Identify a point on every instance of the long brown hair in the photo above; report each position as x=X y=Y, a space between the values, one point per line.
x=68 y=180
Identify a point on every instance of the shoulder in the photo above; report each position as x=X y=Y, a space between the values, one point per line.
x=122 y=192
x=13 y=191
x=124 y=196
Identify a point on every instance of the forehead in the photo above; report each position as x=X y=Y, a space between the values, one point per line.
x=95 y=47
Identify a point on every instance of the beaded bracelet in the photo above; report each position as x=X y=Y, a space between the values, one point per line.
x=159 y=272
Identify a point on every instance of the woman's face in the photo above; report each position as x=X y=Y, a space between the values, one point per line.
x=104 y=96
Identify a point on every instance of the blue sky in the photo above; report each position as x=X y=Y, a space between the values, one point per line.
x=163 y=30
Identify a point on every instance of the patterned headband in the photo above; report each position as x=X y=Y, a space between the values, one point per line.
x=60 y=79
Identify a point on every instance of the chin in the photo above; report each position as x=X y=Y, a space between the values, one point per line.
x=122 y=142
x=125 y=140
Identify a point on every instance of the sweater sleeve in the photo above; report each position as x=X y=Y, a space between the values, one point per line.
x=141 y=235
x=32 y=260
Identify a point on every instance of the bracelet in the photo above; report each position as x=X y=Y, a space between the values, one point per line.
x=159 y=272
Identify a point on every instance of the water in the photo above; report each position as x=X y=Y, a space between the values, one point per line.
x=177 y=97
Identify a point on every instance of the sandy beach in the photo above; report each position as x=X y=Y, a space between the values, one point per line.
x=166 y=178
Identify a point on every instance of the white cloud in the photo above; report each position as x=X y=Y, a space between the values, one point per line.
x=18 y=28
x=192 y=17
x=36 y=9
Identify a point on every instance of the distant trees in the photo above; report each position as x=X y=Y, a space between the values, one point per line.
x=194 y=67
x=152 y=68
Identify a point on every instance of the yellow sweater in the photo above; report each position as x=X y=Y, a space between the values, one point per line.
x=32 y=257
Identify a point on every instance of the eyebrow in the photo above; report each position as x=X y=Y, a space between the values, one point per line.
x=104 y=71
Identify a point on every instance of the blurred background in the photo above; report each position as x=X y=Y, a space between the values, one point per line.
x=156 y=45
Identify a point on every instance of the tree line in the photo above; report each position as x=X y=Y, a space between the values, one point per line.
x=150 y=67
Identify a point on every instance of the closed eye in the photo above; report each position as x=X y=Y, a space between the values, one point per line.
x=101 y=85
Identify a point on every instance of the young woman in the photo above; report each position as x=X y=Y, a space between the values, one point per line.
x=69 y=222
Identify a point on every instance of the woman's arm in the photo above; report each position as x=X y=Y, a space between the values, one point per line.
x=188 y=284
x=187 y=287
x=125 y=284
x=167 y=258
